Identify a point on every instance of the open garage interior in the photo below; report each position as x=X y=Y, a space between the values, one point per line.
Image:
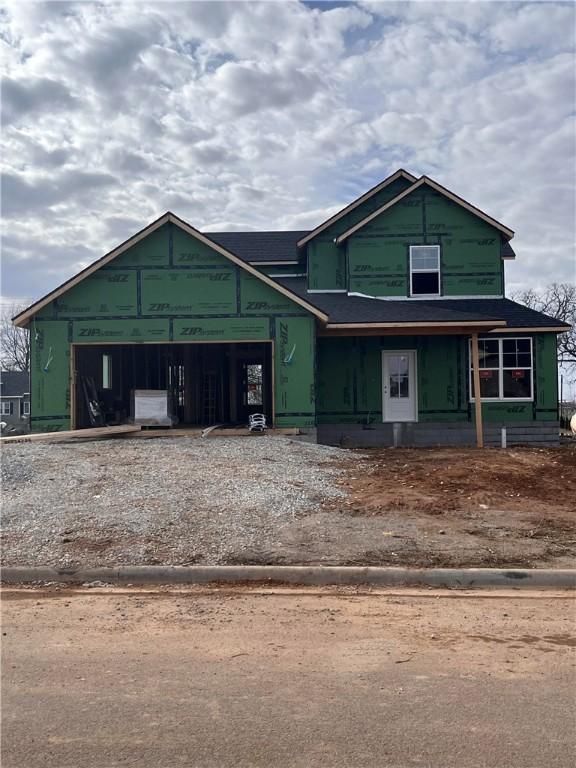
x=172 y=384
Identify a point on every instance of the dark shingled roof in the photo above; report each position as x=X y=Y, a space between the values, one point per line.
x=260 y=246
x=14 y=383
x=342 y=308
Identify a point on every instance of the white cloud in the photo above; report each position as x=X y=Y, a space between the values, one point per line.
x=259 y=115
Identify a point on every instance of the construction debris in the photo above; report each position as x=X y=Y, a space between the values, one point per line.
x=73 y=434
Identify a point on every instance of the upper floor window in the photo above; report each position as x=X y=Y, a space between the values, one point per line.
x=26 y=408
x=6 y=408
x=505 y=368
x=424 y=270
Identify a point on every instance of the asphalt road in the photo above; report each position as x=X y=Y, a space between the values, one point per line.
x=218 y=678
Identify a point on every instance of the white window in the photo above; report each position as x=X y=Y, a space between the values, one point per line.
x=25 y=408
x=6 y=409
x=505 y=368
x=106 y=371
x=424 y=270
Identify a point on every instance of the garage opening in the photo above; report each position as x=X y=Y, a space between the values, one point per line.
x=197 y=384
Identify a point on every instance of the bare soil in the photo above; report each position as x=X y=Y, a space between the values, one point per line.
x=516 y=507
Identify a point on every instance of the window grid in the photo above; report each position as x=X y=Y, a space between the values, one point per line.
x=501 y=368
x=424 y=270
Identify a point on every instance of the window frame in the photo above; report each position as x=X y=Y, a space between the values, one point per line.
x=501 y=368
x=107 y=383
x=413 y=271
x=25 y=409
x=6 y=404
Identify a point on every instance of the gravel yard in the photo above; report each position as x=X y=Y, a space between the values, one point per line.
x=270 y=500
x=170 y=501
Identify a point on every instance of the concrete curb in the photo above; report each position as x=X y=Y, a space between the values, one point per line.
x=462 y=578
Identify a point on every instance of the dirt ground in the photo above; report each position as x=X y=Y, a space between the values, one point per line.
x=273 y=501
x=517 y=506
x=287 y=678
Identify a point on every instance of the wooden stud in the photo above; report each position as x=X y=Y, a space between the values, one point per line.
x=477 y=398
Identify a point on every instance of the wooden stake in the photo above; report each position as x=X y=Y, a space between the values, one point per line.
x=477 y=399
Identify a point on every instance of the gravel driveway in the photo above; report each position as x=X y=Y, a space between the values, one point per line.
x=170 y=501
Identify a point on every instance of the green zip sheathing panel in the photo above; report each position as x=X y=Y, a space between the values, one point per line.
x=49 y=376
x=379 y=253
x=294 y=389
x=349 y=375
x=327 y=261
x=171 y=288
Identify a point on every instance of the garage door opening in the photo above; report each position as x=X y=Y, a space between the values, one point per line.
x=203 y=384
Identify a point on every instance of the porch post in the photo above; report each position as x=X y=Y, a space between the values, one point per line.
x=477 y=400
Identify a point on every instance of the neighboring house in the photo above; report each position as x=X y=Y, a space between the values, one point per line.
x=375 y=328
x=15 y=398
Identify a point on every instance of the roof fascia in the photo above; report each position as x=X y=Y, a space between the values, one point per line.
x=415 y=324
x=534 y=329
x=401 y=173
x=21 y=319
x=509 y=233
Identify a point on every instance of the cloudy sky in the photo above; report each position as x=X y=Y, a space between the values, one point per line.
x=273 y=115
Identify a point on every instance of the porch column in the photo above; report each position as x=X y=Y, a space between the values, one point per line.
x=477 y=400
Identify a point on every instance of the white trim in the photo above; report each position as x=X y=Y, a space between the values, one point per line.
x=413 y=354
x=424 y=271
x=401 y=173
x=501 y=368
x=327 y=290
x=295 y=274
x=509 y=233
x=23 y=410
x=424 y=298
x=272 y=263
x=3 y=405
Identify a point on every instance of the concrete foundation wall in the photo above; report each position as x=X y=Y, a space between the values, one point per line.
x=421 y=435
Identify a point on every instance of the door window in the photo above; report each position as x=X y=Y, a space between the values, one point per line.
x=398 y=376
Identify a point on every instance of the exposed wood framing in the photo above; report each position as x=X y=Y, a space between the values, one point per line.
x=406 y=329
x=477 y=397
x=542 y=329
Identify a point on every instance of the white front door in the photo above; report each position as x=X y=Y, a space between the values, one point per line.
x=399 y=395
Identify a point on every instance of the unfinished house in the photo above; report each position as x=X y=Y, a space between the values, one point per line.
x=385 y=325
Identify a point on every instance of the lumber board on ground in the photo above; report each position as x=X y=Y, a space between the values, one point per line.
x=220 y=432
x=93 y=433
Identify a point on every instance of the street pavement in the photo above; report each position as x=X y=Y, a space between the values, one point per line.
x=287 y=678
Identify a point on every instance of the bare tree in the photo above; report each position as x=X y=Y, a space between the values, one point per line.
x=557 y=300
x=14 y=342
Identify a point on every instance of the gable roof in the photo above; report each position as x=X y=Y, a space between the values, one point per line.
x=23 y=317
x=279 y=247
x=508 y=233
x=14 y=383
x=400 y=173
